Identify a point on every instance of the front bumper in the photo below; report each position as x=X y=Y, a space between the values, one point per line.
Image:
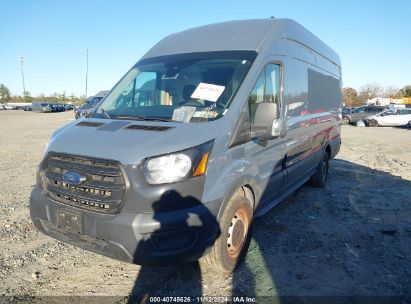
x=162 y=238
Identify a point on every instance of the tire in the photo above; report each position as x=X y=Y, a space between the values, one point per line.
x=409 y=124
x=345 y=120
x=373 y=123
x=320 y=177
x=231 y=246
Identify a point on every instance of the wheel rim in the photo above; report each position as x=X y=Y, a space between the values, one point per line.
x=237 y=233
x=345 y=120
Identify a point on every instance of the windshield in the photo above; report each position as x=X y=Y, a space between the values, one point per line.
x=91 y=102
x=186 y=87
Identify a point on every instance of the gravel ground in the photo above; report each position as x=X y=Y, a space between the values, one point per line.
x=352 y=238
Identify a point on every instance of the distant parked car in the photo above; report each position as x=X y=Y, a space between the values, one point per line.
x=27 y=108
x=346 y=110
x=392 y=117
x=8 y=107
x=68 y=107
x=89 y=105
x=57 y=107
x=2 y=107
x=43 y=107
x=361 y=113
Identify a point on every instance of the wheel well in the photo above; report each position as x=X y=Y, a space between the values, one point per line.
x=328 y=150
x=248 y=192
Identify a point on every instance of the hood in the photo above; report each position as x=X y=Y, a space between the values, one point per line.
x=127 y=141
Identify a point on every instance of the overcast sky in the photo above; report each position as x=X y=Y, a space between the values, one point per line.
x=372 y=37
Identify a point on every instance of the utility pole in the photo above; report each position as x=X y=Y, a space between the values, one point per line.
x=22 y=74
x=86 y=70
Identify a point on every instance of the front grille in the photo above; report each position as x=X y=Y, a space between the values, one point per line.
x=102 y=191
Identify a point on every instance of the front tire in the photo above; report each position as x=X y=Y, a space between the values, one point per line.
x=320 y=177
x=373 y=123
x=236 y=226
x=345 y=120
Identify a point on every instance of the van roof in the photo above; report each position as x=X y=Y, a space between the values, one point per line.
x=250 y=35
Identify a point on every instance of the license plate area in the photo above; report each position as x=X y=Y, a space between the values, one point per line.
x=70 y=222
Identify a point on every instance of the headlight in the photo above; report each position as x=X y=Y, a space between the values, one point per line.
x=177 y=166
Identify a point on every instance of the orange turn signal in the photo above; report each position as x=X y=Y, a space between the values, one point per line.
x=202 y=166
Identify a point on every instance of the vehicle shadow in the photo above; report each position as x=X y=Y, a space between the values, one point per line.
x=329 y=245
x=321 y=245
x=156 y=280
x=404 y=128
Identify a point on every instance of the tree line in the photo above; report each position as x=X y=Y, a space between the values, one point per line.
x=353 y=98
x=5 y=96
x=350 y=96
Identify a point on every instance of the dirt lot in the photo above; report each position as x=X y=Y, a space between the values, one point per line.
x=352 y=238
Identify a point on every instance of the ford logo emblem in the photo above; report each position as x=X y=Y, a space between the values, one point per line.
x=73 y=178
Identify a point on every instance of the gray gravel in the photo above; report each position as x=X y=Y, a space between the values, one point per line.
x=352 y=238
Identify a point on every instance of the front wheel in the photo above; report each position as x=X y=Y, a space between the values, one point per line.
x=231 y=246
x=345 y=120
x=320 y=177
x=373 y=123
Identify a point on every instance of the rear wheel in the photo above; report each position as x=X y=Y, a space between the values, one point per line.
x=345 y=120
x=320 y=177
x=373 y=123
x=409 y=124
x=232 y=244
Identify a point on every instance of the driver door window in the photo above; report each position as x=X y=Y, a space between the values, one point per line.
x=266 y=89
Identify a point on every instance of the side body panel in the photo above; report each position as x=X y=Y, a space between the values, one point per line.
x=313 y=103
x=394 y=120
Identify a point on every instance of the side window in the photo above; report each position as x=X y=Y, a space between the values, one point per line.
x=359 y=110
x=266 y=89
x=272 y=83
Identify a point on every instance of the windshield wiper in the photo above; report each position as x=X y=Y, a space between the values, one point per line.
x=145 y=118
x=105 y=113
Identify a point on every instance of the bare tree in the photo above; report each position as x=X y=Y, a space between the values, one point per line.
x=392 y=92
x=370 y=91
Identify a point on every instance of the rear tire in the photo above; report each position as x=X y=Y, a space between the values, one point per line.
x=373 y=123
x=236 y=227
x=319 y=179
x=345 y=120
x=409 y=124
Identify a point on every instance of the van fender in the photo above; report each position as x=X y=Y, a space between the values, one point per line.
x=234 y=187
x=333 y=141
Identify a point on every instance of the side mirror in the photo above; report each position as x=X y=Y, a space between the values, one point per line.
x=266 y=124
